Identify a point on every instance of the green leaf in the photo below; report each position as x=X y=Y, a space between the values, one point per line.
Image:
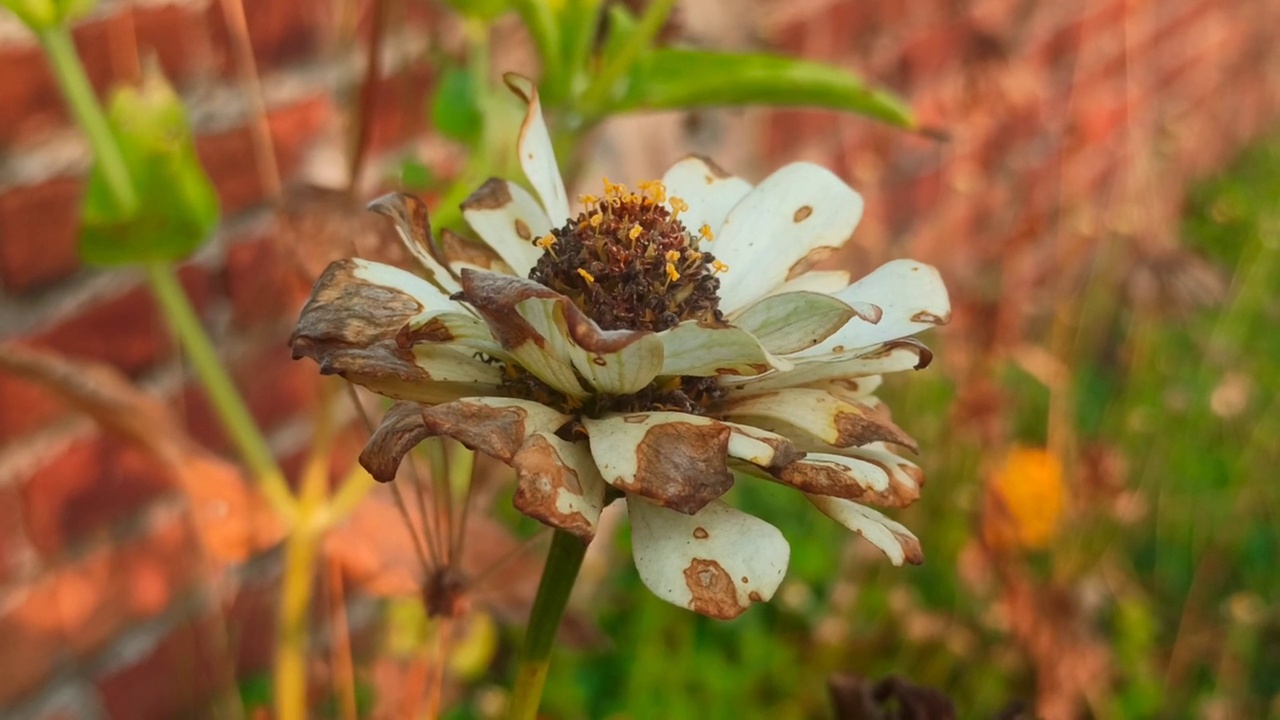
x=47 y=14
x=179 y=207
x=668 y=79
x=454 y=109
x=482 y=10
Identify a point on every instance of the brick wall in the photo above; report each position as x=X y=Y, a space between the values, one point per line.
x=1068 y=123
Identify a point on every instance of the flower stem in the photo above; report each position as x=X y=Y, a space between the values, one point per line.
x=563 y=561
x=75 y=86
x=597 y=96
x=226 y=400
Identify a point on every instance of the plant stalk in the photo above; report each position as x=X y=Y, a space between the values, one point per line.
x=598 y=94
x=564 y=559
x=235 y=416
x=69 y=71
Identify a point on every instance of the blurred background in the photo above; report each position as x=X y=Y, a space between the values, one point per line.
x=1098 y=181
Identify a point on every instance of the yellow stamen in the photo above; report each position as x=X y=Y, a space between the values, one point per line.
x=673 y=255
x=546 y=241
x=597 y=219
x=586 y=276
x=588 y=200
x=694 y=256
x=634 y=232
x=719 y=267
x=705 y=233
x=678 y=206
x=672 y=273
x=654 y=190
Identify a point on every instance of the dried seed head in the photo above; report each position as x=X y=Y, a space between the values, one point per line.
x=629 y=263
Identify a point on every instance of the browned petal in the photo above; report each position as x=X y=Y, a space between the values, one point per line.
x=498 y=431
x=868 y=425
x=713 y=591
x=683 y=466
x=496 y=297
x=457 y=249
x=541 y=475
x=822 y=479
x=411 y=218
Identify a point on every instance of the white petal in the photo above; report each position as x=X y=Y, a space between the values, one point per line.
x=677 y=460
x=910 y=293
x=508 y=219
x=780 y=228
x=891 y=357
x=537 y=156
x=558 y=484
x=709 y=191
x=827 y=282
x=794 y=321
x=410 y=217
x=893 y=538
x=872 y=476
x=703 y=351
x=623 y=362
x=716 y=562
x=814 y=419
x=761 y=447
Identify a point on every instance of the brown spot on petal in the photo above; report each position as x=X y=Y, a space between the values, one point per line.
x=924 y=316
x=522 y=229
x=410 y=215
x=495 y=431
x=457 y=249
x=435 y=330
x=753 y=596
x=492 y=195
x=541 y=477
x=803 y=213
x=858 y=427
x=806 y=263
x=683 y=466
x=717 y=172
x=819 y=478
x=701 y=533
x=402 y=428
x=712 y=590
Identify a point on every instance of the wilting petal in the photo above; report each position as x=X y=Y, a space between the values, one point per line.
x=616 y=362
x=827 y=282
x=700 y=350
x=493 y=425
x=460 y=253
x=716 y=562
x=813 y=418
x=786 y=224
x=676 y=460
x=537 y=156
x=913 y=299
x=508 y=219
x=893 y=538
x=761 y=448
x=872 y=476
x=890 y=357
x=795 y=321
x=709 y=191
x=410 y=216
x=359 y=323
x=558 y=484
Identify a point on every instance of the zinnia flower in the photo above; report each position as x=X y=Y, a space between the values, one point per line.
x=647 y=346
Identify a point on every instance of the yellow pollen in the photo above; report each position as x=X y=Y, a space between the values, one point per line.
x=672 y=273
x=546 y=241
x=695 y=256
x=654 y=190
x=634 y=232
x=597 y=219
x=673 y=255
x=588 y=200
x=705 y=233
x=678 y=206
x=719 y=267
x=586 y=276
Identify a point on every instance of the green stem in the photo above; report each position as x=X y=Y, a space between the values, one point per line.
x=563 y=561
x=79 y=94
x=597 y=94
x=228 y=404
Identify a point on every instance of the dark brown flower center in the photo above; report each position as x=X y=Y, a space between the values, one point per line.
x=628 y=262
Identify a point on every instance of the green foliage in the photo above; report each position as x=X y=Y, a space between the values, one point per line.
x=179 y=207
x=669 y=79
x=41 y=15
x=454 y=109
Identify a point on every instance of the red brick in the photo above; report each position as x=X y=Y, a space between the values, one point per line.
x=177 y=678
x=92 y=485
x=27 y=407
x=263 y=285
x=33 y=638
x=275 y=387
x=401 y=108
x=38 y=225
x=251 y=623
x=229 y=160
x=280 y=31
x=15 y=550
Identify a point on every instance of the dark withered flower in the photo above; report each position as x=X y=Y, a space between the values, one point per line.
x=645 y=347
